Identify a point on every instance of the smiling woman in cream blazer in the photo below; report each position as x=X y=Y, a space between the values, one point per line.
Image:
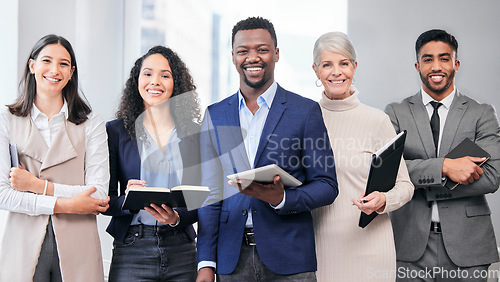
x=61 y=184
x=346 y=252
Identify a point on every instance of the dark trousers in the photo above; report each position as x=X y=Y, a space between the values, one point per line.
x=153 y=253
x=251 y=269
x=47 y=269
x=435 y=265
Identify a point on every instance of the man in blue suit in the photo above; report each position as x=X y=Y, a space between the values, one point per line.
x=258 y=231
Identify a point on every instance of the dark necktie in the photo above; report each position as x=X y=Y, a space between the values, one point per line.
x=435 y=124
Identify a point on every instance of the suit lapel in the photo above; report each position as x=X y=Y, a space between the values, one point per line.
x=35 y=148
x=234 y=130
x=455 y=114
x=277 y=109
x=422 y=123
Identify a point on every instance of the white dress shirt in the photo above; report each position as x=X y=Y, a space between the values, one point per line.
x=443 y=113
x=96 y=163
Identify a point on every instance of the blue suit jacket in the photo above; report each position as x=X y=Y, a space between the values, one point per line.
x=294 y=137
x=124 y=163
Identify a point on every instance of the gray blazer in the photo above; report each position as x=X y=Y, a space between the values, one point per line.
x=464 y=213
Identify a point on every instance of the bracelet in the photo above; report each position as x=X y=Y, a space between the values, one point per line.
x=45 y=188
x=177 y=222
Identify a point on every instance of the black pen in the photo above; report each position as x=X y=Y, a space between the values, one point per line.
x=362 y=201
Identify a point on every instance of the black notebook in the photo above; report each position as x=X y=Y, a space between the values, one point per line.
x=466 y=148
x=383 y=171
x=191 y=197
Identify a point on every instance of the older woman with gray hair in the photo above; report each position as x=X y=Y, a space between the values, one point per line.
x=346 y=252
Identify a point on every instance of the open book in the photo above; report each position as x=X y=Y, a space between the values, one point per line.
x=383 y=171
x=266 y=174
x=191 y=197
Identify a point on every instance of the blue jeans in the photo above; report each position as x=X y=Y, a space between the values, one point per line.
x=153 y=253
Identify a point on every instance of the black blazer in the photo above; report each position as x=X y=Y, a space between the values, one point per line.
x=124 y=164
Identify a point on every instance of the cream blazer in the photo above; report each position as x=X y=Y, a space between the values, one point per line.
x=78 y=243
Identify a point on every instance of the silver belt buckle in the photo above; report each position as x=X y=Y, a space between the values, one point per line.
x=248 y=241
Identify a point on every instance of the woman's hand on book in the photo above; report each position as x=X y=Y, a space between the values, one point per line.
x=135 y=182
x=24 y=181
x=163 y=214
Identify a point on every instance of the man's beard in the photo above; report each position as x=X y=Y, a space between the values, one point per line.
x=257 y=84
x=449 y=80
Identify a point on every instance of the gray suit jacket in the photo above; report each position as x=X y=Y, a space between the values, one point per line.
x=467 y=230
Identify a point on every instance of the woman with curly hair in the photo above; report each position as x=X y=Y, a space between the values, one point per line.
x=154 y=141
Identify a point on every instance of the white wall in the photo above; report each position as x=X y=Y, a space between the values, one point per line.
x=9 y=66
x=384 y=34
x=8 y=51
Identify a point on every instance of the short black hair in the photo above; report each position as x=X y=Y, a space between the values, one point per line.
x=255 y=23
x=436 y=35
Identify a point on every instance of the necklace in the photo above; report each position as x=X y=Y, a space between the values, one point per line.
x=155 y=130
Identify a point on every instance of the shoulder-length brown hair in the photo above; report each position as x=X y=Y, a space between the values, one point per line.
x=78 y=107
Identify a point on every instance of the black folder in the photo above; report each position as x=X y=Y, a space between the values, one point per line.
x=466 y=148
x=383 y=171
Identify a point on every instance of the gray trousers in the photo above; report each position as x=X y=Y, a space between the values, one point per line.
x=251 y=269
x=436 y=265
x=47 y=269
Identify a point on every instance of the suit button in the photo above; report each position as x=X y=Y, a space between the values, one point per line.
x=432 y=180
x=244 y=212
x=420 y=181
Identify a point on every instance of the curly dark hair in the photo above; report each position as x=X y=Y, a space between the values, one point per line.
x=255 y=23
x=78 y=106
x=185 y=111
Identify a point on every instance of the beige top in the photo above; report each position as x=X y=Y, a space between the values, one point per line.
x=345 y=251
x=77 y=238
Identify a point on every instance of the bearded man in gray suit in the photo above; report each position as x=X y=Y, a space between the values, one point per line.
x=445 y=234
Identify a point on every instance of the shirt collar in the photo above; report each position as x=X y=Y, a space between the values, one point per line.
x=35 y=112
x=265 y=98
x=426 y=98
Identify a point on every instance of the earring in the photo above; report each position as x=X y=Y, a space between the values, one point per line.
x=320 y=84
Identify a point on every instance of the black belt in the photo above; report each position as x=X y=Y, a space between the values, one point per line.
x=436 y=227
x=249 y=237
